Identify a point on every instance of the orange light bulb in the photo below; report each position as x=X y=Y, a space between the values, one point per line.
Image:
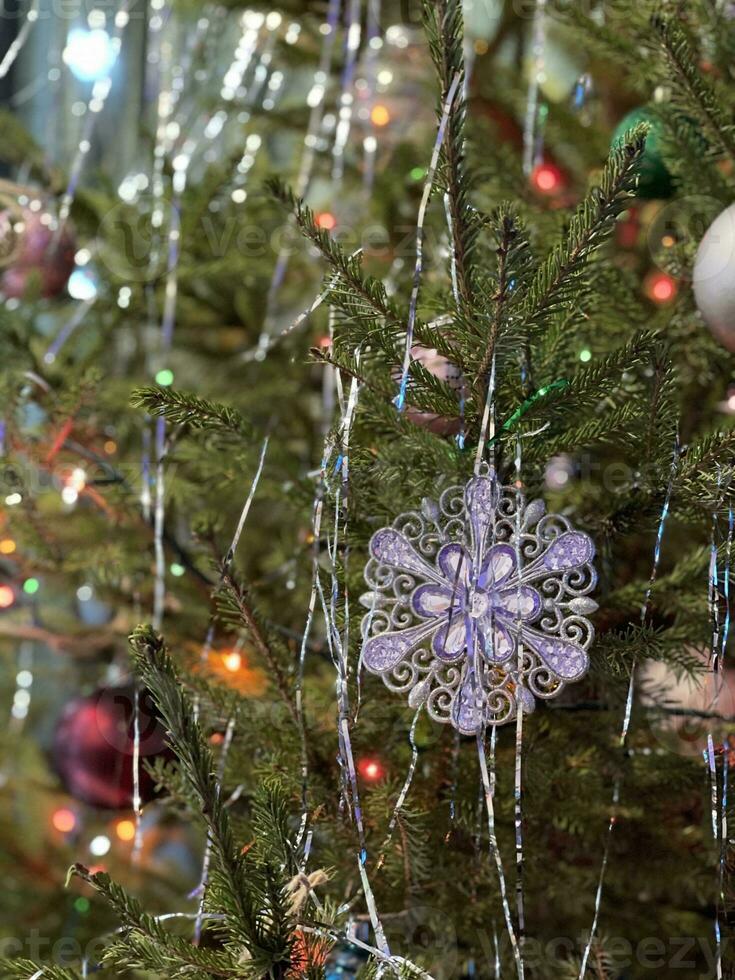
x=64 y=820
x=380 y=116
x=232 y=661
x=125 y=830
x=326 y=220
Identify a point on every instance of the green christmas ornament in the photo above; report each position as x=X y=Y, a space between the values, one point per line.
x=654 y=179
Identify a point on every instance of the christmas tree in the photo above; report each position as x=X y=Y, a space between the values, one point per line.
x=368 y=518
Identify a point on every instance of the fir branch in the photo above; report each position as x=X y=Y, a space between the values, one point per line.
x=698 y=96
x=356 y=294
x=507 y=233
x=715 y=448
x=661 y=405
x=185 y=408
x=340 y=365
x=237 y=597
x=557 y=281
x=443 y=20
x=21 y=969
x=251 y=897
x=161 y=947
x=587 y=387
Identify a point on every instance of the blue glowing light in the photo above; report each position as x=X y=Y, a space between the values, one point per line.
x=82 y=284
x=90 y=54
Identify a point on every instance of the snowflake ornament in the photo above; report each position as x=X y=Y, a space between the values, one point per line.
x=478 y=605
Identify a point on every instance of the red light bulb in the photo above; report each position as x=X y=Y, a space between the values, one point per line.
x=660 y=288
x=371 y=769
x=547 y=178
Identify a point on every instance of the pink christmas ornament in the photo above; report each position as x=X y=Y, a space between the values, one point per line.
x=40 y=261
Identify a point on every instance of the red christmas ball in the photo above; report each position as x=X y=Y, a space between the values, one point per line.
x=93 y=746
x=43 y=258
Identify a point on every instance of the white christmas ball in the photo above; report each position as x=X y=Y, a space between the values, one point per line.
x=714 y=278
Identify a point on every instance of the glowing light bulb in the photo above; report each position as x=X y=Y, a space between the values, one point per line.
x=232 y=661
x=660 y=288
x=371 y=769
x=7 y=597
x=81 y=285
x=90 y=54
x=326 y=220
x=7 y=546
x=99 y=846
x=125 y=830
x=547 y=178
x=64 y=820
x=380 y=116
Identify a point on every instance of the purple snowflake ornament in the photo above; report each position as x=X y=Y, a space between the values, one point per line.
x=478 y=604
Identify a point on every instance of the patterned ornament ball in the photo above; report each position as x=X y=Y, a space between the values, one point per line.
x=714 y=278
x=40 y=259
x=478 y=604
x=684 y=710
x=654 y=179
x=442 y=368
x=94 y=745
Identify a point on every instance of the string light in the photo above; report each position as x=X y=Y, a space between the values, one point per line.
x=7 y=597
x=90 y=54
x=326 y=220
x=547 y=178
x=660 y=288
x=82 y=285
x=125 y=830
x=64 y=820
x=232 y=661
x=371 y=769
x=380 y=116
x=7 y=546
x=31 y=586
x=100 y=845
